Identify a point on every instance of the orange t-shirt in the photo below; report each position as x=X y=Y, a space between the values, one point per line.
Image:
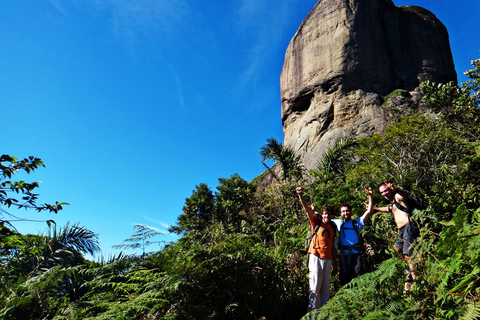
x=323 y=241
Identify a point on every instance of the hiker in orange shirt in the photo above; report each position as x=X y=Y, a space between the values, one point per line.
x=321 y=252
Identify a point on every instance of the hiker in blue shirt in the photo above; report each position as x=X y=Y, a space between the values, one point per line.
x=350 y=240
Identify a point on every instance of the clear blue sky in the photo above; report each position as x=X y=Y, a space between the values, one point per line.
x=131 y=104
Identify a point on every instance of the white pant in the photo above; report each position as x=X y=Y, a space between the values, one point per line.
x=319 y=271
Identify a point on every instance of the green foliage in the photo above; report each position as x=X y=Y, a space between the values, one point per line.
x=228 y=205
x=285 y=156
x=458 y=110
x=198 y=211
x=24 y=257
x=235 y=277
x=376 y=295
x=396 y=93
x=75 y=237
x=473 y=84
x=422 y=156
x=233 y=200
x=21 y=194
x=338 y=157
x=411 y=152
x=139 y=239
x=457 y=106
x=121 y=289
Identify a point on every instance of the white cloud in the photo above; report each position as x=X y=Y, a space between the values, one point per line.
x=266 y=22
x=159 y=222
x=135 y=19
x=59 y=5
x=152 y=228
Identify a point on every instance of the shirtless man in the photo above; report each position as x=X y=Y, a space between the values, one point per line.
x=405 y=225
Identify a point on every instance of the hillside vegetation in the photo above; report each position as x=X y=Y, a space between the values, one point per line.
x=241 y=254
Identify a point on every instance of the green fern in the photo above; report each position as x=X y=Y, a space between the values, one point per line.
x=472 y=311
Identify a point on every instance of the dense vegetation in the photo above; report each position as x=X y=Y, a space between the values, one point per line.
x=241 y=252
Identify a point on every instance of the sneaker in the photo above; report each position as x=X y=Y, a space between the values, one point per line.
x=408 y=285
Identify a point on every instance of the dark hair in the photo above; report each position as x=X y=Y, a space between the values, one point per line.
x=382 y=184
x=345 y=205
x=327 y=208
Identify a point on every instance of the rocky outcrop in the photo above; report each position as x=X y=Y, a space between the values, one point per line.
x=345 y=57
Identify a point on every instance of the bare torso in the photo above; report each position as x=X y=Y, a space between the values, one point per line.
x=401 y=217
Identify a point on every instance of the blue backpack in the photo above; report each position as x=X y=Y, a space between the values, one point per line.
x=357 y=246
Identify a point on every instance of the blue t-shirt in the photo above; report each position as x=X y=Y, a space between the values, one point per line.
x=348 y=236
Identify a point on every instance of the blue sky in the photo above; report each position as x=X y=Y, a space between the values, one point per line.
x=131 y=104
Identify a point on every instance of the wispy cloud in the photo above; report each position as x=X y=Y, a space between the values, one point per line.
x=265 y=23
x=149 y=18
x=151 y=227
x=159 y=222
x=59 y=5
x=161 y=24
x=178 y=84
x=250 y=10
x=134 y=21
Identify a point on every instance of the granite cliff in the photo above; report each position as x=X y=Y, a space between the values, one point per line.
x=346 y=56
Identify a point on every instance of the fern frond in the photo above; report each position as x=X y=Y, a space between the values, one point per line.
x=472 y=311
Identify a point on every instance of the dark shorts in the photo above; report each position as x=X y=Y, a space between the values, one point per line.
x=406 y=235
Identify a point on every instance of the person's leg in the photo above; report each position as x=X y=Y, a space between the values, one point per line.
x=315 y=281
x=343 y=273
x=349 y=273
x=411 y=276
x=358 y=268
x=410 y=267
x=325 y=287
x=398 y=247
x=408 y=239
x=351 y=267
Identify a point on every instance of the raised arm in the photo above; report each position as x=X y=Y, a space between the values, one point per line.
x=369 y=210
x=382 y=209
x=308 y=210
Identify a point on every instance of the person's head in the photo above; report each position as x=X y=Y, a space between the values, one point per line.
x=386 y=191
x=327 y=213
x=346 y=212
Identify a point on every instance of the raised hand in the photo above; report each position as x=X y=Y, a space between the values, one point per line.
x=368 y=190
x=389 y=185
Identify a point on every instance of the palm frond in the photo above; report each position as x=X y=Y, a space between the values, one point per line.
x=334 y=156
x=79 y=238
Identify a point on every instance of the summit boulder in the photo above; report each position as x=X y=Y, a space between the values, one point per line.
x=346 y=56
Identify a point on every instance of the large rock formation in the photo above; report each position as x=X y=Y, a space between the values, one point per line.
x=345 y=57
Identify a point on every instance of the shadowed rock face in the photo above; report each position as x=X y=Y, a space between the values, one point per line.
x=345 y=57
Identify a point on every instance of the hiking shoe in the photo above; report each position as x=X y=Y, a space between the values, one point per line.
x=408 y=285
x=409 y=281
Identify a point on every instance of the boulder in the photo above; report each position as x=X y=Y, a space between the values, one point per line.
x=346 y=56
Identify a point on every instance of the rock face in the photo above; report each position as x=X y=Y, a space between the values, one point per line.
x=345 y=57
